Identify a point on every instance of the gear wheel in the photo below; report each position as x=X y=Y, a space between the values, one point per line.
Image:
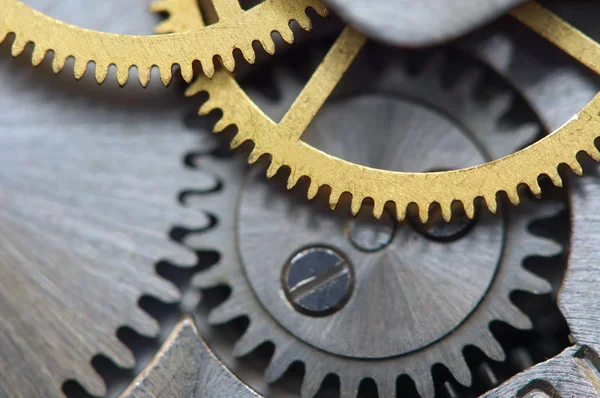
x=448 y=189
x=236 y=29
x=87 y=207
x=250 y=211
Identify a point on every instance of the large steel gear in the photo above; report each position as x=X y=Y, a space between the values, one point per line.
x=386 y=262
x=281 y=142
x=572 y=373
x=235 y=29
x=86 y=188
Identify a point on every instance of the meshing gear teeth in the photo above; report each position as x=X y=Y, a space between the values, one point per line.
x=460 y=188
x=236 y=29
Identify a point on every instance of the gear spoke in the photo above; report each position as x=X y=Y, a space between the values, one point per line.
x=322 y=83
x=560 y=33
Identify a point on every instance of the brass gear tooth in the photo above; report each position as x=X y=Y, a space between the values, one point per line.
x=576 y=167
x=254 y=156
x=267 y=44
x=79 y=68
x=248 y=53
x=491 y=203
x=469 y=208
x=313 y=189
x=534 y=187
x=37 y=56
x=101 y=73
x=18 y=46
x=237 y=141
x=222 y=124
x=122 y=75
x=124 y=51
x=58 y=63
x=334 y=198
x=423 y=212
x=355 y=205
x=378 y=208
x=272 y=170
x=446 y=209
x=293 y=179
x=555 y=178
x=286 y=34
x=166 y=74
x=513 y=196
x=144 y=77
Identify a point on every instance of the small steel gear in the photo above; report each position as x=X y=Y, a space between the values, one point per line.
x=236 y=29
x=87 y=207
x=384 y=263
x=281 y=143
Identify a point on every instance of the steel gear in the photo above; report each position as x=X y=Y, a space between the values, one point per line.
x=87 y=208
x=250 y=212
x=236 y=29
x=281 y=143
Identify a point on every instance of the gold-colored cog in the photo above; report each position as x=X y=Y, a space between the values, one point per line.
x=235 y=29
x=281 y=141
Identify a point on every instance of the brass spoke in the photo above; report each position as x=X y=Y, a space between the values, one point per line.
x=560 y=33
x=322 y=83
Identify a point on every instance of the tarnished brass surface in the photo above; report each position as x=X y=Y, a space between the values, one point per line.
x=281 y=141
x=236 y=29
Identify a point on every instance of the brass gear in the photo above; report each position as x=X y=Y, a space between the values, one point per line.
x=281 y=141
x=236 y=29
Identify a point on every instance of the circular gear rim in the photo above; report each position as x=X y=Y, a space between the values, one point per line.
x=290 y=349
x=200 y=45
x=450 y=190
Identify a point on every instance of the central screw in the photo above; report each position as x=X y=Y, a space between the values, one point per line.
x=318 y=281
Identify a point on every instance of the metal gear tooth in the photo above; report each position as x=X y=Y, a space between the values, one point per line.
x=512 y=315
x=253 y=337
x=311 y=382
x=145 y=324
x=500 y=105
x=467 y=83
x=459 y=369
x=212 y=277
x=423 y=383
x=279 y=364
x=530 y=282
x=386 y=387
x=119 y=353
x=93 y=383
x=491 y=347
x=348 y=388
x=546 y=247
x=227 y=311
x=164 y=291
x=179 y=255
